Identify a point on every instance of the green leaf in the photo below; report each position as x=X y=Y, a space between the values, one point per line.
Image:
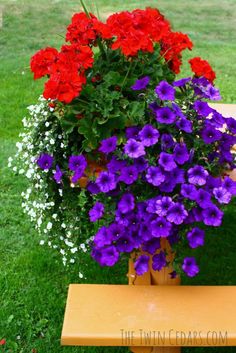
x=68 y=123
x=112 y=78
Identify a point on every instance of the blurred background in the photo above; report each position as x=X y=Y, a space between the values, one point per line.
x=33 y=281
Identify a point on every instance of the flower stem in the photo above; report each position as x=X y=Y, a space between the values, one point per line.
x=127 y=74
x=85 y=8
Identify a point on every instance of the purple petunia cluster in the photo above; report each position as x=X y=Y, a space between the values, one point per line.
x=163 y=177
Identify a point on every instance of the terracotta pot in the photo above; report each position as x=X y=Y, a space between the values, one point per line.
x=93 y=170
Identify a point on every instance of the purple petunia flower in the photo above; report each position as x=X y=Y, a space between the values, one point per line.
x=159 y=261
x=96 y=211
x=101 y=238
x=108 y=256
x=108 y=145
x=196 y=237
x=173 y=238
x=115 y=165
x=141 y=210
x=121 y=218
x=126 y=203
x=166 y=160
x=125 y=243
x=189 y=191
x=222 y=195
x=141 y=84
x=144 y=231
x=149 y=135
x=77 y=175
x=58 y=174
x=203 y=199
x=155 y=176
x=185 y=125
x=178 y=175
x=140 y=164
x=217 y=119
x=165 y=91
x=176 y=213
x=152 y=245
x=151 y=205
x=165 y=116
x=197 y=175
x=168 y=185
x=132 y=132
x=181 y=154
x=225 y=156
x=134 y=149
x=212 y=93
x=202 y=108
x=182 y=82
x=212 y=216
x=190 y=266
x=77 y=163
x=93 y=188
x=128 y=175
x=209 y=134
x=106 y=181
x=163 y=205
x=229 y=185
x=160 y=227
x=115 y=231
x=167 y=142
x=178 y=110
x=200 y=81
x=212 y=183
x=231 y=124
x=141 y=265
x=197 y=214
x=45 y=161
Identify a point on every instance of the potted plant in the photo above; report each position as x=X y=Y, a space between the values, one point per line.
x=123 y=157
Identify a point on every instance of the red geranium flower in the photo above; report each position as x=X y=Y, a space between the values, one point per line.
x=78 y=56
x=64 y=86
x=81 y=30
x=202 y=67
x=42 y=61
x=172 y=46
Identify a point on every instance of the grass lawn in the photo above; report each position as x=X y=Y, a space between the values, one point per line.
x=33 y=281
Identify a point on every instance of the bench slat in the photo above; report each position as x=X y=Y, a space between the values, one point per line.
x=96 y=314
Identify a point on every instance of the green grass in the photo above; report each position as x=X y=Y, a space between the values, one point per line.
x=33 y=282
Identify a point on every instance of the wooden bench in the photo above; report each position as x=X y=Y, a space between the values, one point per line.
x=142 y=316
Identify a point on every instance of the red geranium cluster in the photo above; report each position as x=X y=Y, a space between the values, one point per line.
x=66 y=70
x=202 y=67
x=134 y=31
x=130 y=32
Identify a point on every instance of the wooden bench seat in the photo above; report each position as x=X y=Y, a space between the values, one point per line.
x=126 y=315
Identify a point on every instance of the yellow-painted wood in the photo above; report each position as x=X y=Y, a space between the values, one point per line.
x=96 y=315
x=227 y=110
